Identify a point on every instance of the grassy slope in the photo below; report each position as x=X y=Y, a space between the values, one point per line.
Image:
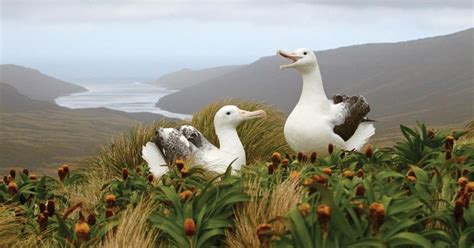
x=37 y=134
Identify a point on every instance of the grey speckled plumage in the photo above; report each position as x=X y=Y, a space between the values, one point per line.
x=180 y=142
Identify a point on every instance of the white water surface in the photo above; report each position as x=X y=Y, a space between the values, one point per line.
x=127 y=97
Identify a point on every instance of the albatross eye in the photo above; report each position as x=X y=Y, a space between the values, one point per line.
x=305 y=53
x=228 y=113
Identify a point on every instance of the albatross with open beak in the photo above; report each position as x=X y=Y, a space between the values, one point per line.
x=186 y=141
x=317 y=121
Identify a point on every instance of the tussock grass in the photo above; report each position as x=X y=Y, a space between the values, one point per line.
x=260 y=137
x=133 y=229
x=124 y=151
x=264 y=206
x=10 y=227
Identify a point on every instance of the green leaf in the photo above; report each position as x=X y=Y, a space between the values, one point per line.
x=406 y=238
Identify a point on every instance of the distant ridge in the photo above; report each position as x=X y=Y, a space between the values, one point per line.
x=186 y=77
x=36 y=85
x=429 y=79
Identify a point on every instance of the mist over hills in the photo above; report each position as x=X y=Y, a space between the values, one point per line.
x=429 y=79
x=186 y=77
x=36 y=85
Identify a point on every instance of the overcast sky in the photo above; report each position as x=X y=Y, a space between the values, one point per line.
x=83 y=40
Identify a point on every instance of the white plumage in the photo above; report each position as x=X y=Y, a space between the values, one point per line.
x=311 y=126
x=188 y=142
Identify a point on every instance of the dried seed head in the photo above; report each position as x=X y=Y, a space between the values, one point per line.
x=294 y=176
x=125 y=173
x=368 y=151
x=42 y=221
x=189 y=227
x=377 y=210
x=61 y=174
x=92 y=219
x=184 y=172
x=185 y=195
x=33 y=177
x=459 y=210
x=330 y=148
x=6 y=180
x=285 y=162
x=327 y=171
x=470 y=187
x=462 y=181
x=313 y=157
x=42 y=207
x=12 y=174
x=150 y=178
x=304 y=159
x=360 y=173
x=276 y=159
x=179 y=164
x=264 y=235
x=449 y=142
x=109 y=212
x=300 y=157
x=308 y=182
x=324 y=213
x=110 y=200
x=304 y=209
x=411 y=173
x=460 y=160
x=448 y=155
x=50 y=207
x=321 y=179
x=65 y=168
x=348 y=174
x=82 y=229
x=359 y=207
x=431 y=133
x=360 y=190
x=26 y=171
x=12 y=188
x=411 y=179
x=138 y=170
x=271 y=168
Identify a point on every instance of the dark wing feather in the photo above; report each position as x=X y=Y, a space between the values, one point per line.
x=357 y=109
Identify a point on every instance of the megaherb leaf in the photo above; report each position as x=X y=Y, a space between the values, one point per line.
x=300 y=230
x=406 y=238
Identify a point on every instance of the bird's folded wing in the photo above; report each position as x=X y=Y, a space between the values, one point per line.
x=353 y=109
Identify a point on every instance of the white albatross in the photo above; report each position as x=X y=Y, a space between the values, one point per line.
x=317 y=121
x=187 y=142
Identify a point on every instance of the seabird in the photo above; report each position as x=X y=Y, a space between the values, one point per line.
x=187 y=142
x=317 y=121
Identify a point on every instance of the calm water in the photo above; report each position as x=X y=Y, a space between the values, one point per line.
x=127 y=97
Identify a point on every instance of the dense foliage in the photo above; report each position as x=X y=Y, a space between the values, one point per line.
x=416 y=194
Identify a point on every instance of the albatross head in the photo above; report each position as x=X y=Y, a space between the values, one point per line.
x=301 y=59
x=231 y=116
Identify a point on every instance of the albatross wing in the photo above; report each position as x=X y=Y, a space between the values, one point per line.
x=355 y=109
x=155 y=159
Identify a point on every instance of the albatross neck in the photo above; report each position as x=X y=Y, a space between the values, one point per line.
x=313 y=93
x=229 y=141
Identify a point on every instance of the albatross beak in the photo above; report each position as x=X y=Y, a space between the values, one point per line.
x=294 y=58
x=253 y=114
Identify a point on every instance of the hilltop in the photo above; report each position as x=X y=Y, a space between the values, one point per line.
x=428 y=79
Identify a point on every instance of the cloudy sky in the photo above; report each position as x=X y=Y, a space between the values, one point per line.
x=103 y=40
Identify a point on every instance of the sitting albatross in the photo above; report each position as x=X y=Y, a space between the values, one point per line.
x=317 y=121
x=187 y=142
